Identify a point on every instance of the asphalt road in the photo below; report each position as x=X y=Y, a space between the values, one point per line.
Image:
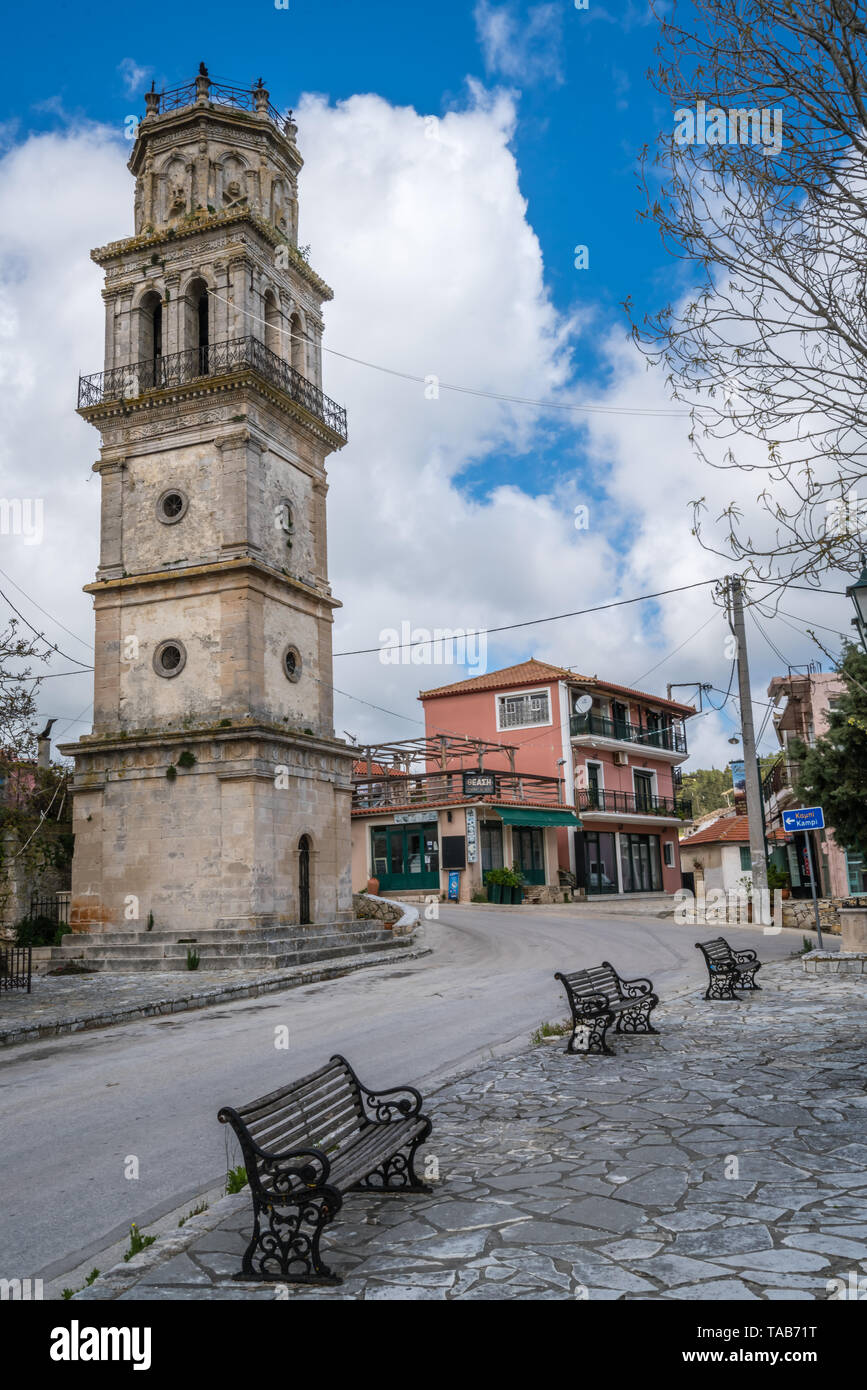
x=74 y=1110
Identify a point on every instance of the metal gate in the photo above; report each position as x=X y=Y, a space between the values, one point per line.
x=304 y=880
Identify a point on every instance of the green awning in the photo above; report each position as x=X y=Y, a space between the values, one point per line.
x=537 y=819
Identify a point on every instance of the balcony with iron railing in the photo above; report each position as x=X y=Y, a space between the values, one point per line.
x=433 y=788
x=633 y=804
x=671 y=737
x=254 y=99
x=782 y=777
x=177 y=369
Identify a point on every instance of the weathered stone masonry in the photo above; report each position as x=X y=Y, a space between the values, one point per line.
x=212 y=759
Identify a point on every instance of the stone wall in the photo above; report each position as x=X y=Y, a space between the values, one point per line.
x=19 y=879
x=798 y=912
x=545 y=893
x=366 y=906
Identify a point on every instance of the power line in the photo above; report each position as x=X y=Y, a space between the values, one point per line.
x=57 y=621
x=777 y=653
x=659 y=411
x=718 y=708
x=41 y=635
x=534 y=622
x=674 y=652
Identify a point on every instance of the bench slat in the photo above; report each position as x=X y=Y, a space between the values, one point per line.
x=333 y=1079
x=324 y=1135
x=295 y=1111
x=261 y=1103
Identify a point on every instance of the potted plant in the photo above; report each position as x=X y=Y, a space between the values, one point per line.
x=513 y=885
x=494 y=885
x=779 y=879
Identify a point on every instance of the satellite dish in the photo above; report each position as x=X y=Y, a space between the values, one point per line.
x=583 y=704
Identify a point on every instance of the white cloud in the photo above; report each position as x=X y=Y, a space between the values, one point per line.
x=524 y=46
x=133 y=74
x=421 y=228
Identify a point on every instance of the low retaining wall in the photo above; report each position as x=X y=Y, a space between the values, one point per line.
x=835 y=963
x=401 y=917
x=798 y=912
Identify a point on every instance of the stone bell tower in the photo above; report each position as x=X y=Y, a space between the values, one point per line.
x=212 y=792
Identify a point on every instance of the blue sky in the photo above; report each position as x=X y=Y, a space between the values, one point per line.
x=539 y=103
x=585 y=106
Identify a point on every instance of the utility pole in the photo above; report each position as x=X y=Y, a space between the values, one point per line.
x=755 y=804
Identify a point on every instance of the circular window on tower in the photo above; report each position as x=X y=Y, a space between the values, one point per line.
x=170 y=658
x=292 y=664
x=172 y=506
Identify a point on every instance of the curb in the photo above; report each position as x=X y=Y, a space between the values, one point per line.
x=125 y=1275
x=219 y=994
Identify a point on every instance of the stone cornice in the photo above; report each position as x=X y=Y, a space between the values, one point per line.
x=221 y=568
x=205 y=221
x=236 y=378
x=242 y=731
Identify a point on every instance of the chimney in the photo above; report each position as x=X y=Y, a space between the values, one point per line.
x=43 y=745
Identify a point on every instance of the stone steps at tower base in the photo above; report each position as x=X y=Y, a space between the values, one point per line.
x=124 y=952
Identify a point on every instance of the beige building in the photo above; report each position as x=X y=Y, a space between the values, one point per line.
x=432 y=818
x=212 y=790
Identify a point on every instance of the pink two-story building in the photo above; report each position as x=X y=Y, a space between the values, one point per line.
x=618 y=752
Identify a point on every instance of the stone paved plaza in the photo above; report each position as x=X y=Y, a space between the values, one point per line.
x=724 y=1158
x=75 y=1003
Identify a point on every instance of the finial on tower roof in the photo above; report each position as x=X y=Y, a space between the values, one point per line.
x=203 y=71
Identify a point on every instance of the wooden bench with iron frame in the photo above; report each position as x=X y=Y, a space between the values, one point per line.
x=598 y=997
x=304 y=1146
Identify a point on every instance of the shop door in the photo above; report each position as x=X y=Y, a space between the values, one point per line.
x=406 y=856
x=528 y=851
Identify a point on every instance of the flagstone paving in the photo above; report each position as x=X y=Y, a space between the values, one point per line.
x=60 y=1004
x=725 y=1158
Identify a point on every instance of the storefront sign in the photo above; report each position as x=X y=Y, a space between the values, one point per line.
x=454 y=886
x=413 y=817
x=480 y=784
x=472 y=851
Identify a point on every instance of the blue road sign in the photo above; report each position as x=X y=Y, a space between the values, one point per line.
x=805 y=818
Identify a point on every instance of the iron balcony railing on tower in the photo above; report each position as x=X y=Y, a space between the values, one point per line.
x=217 y=359
x=253 y=98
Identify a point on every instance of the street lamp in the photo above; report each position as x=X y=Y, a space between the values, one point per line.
x=858 y=594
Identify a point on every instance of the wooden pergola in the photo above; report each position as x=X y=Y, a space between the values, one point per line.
x=438 y=751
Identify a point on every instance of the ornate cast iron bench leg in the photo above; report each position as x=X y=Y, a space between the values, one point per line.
x=746 y=976
x=637 y=1019
x=721 y=985
x=588 y=1032
x=284 y=1247
x=396 y=1173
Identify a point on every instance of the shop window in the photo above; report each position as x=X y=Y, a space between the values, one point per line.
x=492 y=845
x=640 y=863
x=856 y=869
